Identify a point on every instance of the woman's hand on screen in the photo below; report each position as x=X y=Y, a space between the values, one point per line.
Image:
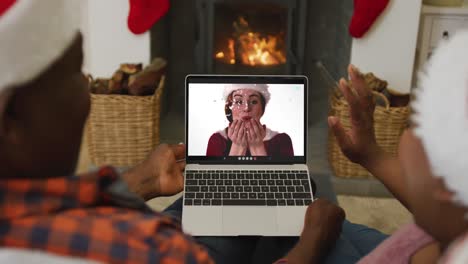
x=236 y=133
x=256 y=132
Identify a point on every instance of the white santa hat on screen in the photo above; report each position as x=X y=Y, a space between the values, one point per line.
x=33 y=35
x=259 y=87
x=441 y=114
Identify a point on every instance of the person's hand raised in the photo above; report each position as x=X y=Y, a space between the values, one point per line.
x=359 y=143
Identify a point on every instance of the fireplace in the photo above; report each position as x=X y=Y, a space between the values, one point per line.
x=194 y=31
x=250 y=37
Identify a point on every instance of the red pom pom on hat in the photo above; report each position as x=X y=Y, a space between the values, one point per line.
x=364 y=15
x=144 y=13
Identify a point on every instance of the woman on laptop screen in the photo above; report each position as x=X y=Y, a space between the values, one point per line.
x=246 y=136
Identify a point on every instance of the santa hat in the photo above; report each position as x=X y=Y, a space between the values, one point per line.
x=261 y=88
x=34 y=34
x=441 y=114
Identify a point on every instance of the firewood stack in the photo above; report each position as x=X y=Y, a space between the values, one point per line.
x=131 y=79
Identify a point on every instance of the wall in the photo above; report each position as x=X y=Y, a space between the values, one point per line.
x=388 y=49
x=107 y=40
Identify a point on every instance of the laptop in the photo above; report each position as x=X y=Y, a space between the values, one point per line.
x=246 y=172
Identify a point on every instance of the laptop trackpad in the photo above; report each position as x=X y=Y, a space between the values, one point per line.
x=249 y=220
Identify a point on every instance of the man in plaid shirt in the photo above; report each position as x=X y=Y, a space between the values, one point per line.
x=100 y=216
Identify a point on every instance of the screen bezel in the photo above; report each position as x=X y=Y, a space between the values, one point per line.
x=228 y=79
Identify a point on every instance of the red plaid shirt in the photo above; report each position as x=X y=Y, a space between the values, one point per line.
x=91 y=216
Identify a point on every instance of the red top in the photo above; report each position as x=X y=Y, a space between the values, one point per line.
x=279 y=145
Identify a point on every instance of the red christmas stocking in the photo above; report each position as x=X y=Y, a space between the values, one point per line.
x=144 y=13
x=365 y=13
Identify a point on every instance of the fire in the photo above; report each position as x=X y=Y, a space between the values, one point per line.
x=251 y=47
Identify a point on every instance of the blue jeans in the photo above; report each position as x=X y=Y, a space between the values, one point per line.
x=355 y=242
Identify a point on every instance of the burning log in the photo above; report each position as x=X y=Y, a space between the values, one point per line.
x=251 y=48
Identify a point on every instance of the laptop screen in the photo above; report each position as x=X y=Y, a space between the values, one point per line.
x=246 y=119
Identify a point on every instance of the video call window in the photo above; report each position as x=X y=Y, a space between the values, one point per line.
x=246 y=120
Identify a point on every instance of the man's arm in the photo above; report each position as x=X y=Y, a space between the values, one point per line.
x=138 y=184
x=161 y=174
x=322 y=227
x=304 y=253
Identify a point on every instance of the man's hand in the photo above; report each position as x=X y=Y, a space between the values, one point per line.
x=359 y=144
x=322 y=227
x=160 y=174
x=323 y=220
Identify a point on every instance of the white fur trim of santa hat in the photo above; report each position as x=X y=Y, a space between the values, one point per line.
x=441 y=114
x=261 y=88
x=34 y=34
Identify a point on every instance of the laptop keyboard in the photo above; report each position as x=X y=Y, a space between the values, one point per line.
x=247 y=187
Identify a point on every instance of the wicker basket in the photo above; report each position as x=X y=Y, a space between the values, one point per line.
x=389 y=124
x=123 y=129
